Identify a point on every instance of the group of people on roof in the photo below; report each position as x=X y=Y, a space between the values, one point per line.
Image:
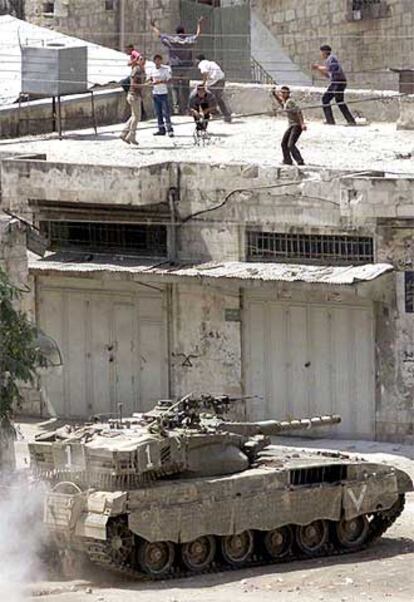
x=201 y=103
x=209 y=95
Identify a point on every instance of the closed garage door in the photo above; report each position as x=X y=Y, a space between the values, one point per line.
x=310 y=359
x=113 y=346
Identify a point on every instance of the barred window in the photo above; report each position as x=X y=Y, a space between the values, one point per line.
x=409 y=292
x=138 y=239
x=332 y=248
x=367 y=9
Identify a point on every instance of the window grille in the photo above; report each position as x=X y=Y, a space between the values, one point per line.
x=48 y=8
x=332 y=248
x=409 y=292
x=367 y=9
x=137 y=239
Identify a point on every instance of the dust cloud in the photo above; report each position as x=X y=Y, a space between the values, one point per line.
x=21 y=538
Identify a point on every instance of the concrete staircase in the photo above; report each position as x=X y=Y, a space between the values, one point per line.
x=269 y=54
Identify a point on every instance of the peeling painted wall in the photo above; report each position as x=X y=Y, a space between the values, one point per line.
x=206 y=351
x=395 y=336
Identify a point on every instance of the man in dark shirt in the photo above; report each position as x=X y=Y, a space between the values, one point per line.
x=201 y=104
x=296 y=125
x=334 y=72
x=180 y=51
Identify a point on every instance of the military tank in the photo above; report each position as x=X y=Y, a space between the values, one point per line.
x=181 y=490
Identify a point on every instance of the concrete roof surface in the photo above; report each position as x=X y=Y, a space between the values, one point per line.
x=235 y=270
x=104 y=64
x=378 y=146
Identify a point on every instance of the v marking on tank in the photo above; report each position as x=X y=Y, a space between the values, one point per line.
x=358 y=500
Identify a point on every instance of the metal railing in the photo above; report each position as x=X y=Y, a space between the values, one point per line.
x=259 y=75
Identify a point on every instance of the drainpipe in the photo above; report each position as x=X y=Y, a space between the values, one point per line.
x=173 y=196
x=121 y=25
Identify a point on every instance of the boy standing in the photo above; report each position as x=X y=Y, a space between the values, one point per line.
x=160 y=77
x=134 y=99
x=296 y=125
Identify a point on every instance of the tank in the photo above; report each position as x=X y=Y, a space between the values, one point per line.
x=181 y=489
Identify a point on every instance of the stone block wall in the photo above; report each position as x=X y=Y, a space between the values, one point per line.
x=406 y=120
x=13 y=255
x=395 y=338
x=366 y=48
x=127 y=22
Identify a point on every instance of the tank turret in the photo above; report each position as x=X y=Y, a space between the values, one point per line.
x=189 y=437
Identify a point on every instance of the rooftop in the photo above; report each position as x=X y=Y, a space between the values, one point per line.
x=378 y=146
x=104 y=64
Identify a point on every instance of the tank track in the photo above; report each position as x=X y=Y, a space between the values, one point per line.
x=98 y=554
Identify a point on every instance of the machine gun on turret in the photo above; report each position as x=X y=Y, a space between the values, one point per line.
x=191 y=411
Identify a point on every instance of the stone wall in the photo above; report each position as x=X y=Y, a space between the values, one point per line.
x=406 y=120
x=376 y=106
x=395 y=336
x=206 y=354
x=366 y=48
x=12 y=7
x=13 y=256
x=127 y=22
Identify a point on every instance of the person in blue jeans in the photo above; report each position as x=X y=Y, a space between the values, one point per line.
x=160 y=78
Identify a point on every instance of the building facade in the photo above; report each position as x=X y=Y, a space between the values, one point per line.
x=369 y=36
x=113 y=23
x=196 y=277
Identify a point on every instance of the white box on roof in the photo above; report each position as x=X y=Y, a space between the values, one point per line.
x=54 y=69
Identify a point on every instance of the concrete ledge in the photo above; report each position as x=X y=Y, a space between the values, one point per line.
x=36 y=116
x=255 y=98
x=406 y=120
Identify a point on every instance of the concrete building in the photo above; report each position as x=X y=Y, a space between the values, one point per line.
x=240 y=277
x=369 y=36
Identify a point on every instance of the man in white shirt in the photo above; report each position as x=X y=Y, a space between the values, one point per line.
x=160 y=76
x=215 y=80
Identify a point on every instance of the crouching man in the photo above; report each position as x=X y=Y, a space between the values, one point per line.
x=201 y=105
x=296 y=125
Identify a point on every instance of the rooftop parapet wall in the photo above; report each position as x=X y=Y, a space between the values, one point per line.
x=245 y=99
x=24 y=181
x=406 y=120
x=363 y=198
x=374 y=105
x=36 y=117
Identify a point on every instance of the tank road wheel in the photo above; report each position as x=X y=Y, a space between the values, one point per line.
x=156 y=558
x=237 y=549
x=278 y=542
x=351 y=534
x=197 y=555
x=312 y=538
x=120 y=541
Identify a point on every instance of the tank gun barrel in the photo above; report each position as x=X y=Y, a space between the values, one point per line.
x=276 y=427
